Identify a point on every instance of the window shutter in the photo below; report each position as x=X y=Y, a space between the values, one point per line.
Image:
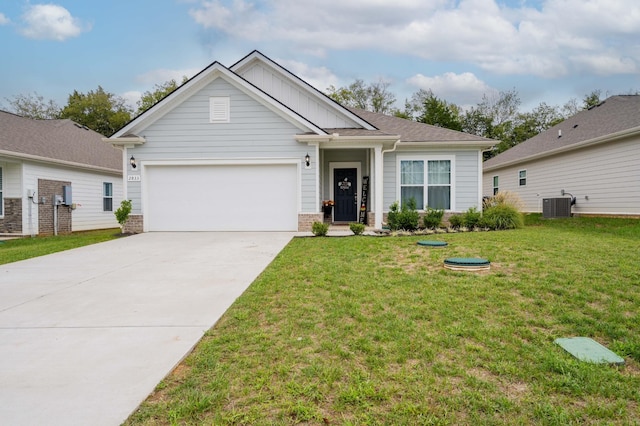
x=219 y=110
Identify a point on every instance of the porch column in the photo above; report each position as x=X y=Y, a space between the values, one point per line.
x=378 y=185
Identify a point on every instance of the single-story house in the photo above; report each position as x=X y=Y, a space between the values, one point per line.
x=593 y=157
x=56 y=176
x=254 y=147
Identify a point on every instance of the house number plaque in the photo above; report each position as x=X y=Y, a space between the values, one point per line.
x=133 y=178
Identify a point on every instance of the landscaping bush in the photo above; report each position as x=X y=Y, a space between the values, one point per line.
x=406 y=218
x=456 y=220
x=507 y=198
x=471 y=217
x=319 y=229
x=122 y=213
x=502 y=216
x=356 y=228
x=432 y=218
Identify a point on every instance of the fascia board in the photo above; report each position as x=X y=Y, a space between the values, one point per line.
x=257 y=56
x=53 y=161
x=579 y=145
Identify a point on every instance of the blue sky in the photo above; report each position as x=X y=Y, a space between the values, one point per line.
x=547 y=50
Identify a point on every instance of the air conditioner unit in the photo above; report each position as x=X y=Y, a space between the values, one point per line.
x=556 y=207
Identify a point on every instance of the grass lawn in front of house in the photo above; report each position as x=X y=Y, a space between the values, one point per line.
x=17 y=249
x=373 y=330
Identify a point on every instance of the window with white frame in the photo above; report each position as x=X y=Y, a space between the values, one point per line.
x=495 y=185
x=1 y=195
x=219 y=109
x=107 y=196
x=427 y=181
x=522 y=177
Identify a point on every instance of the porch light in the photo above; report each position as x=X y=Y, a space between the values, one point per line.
x=307 y=160
x=132 y=161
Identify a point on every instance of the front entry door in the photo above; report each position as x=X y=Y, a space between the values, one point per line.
x=345 y=192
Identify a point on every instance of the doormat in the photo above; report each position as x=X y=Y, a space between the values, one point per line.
x=588 y=350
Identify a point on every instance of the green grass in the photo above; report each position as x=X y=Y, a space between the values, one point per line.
x=26 y=248
x=374 y=331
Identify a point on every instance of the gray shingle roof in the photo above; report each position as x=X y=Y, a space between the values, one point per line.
x=615 y=114
x=412 y=131
x=62 y=140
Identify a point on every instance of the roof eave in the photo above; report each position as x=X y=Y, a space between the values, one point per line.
x=335 y=140
x=125 y=141
x=46 y=160
x=578 y=145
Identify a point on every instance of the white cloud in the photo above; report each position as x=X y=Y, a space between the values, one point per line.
x=3 y=19
x=549 y=41
x=461 y=89
x=131 y=98
x=51 y=22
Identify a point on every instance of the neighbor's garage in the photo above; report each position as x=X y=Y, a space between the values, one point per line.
x=250 y=197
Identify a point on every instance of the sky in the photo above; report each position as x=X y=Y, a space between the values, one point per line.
x=548 y=51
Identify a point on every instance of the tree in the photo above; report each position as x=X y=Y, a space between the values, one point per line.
x=150 y=98
x=33 y=105
x=101 y=111
x=374 y=97
x=592 y=99
x=440 y=113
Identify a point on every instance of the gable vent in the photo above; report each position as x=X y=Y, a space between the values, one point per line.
x=219 y=109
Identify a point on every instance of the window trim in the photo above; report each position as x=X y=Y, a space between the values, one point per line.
x=496 y=184
x=426 y=158
x=521 y=179
x=106 y=197
x=219 y=109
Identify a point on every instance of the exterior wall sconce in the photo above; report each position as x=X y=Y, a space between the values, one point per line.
x=132 y=161
x=307 y=161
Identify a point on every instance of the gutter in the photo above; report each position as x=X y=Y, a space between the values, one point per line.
x=36 y=158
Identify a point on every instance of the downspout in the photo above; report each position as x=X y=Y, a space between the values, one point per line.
x=379 y=169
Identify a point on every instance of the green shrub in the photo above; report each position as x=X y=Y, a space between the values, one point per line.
x=319 y=229
x=471 y=217
x=122 y=213
x=356 y=228
x=406 y=218
x=502 y=216
x=432 y=218
x=456 y=220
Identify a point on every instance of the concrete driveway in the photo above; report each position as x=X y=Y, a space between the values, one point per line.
x=87 y=334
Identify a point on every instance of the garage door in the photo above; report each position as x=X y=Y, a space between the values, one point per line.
x=222 y=198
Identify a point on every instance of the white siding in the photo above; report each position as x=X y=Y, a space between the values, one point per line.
x=253 y=132
x=608 y=174
x=86 y=192
x=296 y=98
x=11 y=180
x=465 y=179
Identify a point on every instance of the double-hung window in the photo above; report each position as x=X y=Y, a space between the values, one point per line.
x=427 y=181
x=522 y=178
x=107 y=196
x=495 y=185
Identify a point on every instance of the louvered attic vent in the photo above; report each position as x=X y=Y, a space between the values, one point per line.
x=219 y=109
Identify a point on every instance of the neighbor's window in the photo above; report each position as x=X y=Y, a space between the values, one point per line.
x=495 y=185
x=426 y=181
x=107 y=196
x=219 y=109
x=1 y=195
x=522 y=177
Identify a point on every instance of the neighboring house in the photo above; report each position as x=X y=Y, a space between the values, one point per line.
x=593 y=156
x=253 y=147
x=56 y=177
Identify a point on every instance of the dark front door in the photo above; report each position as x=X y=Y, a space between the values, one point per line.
x=345 y=192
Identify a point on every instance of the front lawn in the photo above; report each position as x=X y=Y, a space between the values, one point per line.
x=26 y=248
x=373 y=330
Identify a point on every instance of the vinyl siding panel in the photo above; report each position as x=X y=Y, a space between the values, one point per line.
x=291 y=95
x=11 y=180
x=86 y=192
x=254 y=132
x=608 y=174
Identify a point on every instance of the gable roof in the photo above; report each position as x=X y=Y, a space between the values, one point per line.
x=197 y=82
x=56 y=141
x=413 y=131
x=614 y=117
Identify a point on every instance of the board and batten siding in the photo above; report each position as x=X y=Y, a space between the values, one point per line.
x=466 y=177
x=607 y=174
x=285 y=91
x=254 y=132
x=87 y=194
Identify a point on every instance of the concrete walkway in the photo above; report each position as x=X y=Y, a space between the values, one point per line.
x=87 y=334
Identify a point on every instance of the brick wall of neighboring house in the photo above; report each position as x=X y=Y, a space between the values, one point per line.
x=305 y=220
x=134 y=224
x=12 y=221
x=48 y=189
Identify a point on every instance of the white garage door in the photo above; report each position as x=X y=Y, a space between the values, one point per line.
x=222 y=198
